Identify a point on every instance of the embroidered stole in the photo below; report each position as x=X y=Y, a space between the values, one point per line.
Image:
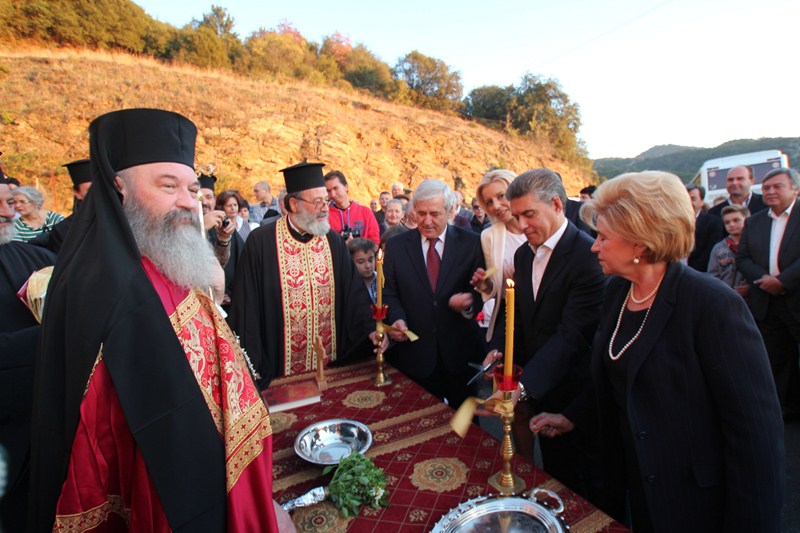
x=222 y=375
x=108 y=486
x=309 y=299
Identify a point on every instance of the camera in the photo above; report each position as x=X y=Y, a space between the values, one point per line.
x=347 y=232
x=226 y=222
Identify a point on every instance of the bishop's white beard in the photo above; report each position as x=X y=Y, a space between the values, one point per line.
x=174 y=243
x=7 y=233
x=314 y=223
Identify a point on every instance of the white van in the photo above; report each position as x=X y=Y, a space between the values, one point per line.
x=714 y=171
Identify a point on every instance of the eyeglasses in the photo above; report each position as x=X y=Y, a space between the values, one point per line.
x=22 y=202
x=476 y=207
x=318 y=203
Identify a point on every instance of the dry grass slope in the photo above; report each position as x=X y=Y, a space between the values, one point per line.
x=248 y=129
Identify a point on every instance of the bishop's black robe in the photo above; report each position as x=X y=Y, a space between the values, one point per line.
x=257 y=313
x=19 y=333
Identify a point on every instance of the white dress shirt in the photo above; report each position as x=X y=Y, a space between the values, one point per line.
x=439 y=246
x=542 y=256
x=776 y=236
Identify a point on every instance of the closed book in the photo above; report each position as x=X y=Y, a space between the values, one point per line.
x=291 y=395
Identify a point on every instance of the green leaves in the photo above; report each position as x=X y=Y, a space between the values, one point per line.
x=357 y=481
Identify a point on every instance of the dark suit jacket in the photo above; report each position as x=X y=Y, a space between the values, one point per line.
x=752 y=260
x=407 y=292
x=553 y=335
x=573 y=213
x=756 y=205
x=708 y=231
x=702 y=407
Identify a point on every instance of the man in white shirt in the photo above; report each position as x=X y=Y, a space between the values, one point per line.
x=769 y=258
x=559 y=289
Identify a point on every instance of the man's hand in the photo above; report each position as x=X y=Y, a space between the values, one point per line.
x=492 y=356
x=224 y=232
x=461 y=301
x=285 y=524
x=770 y=284
x=373 y=336
x=498 y=395
x=481 y=282
x=551 y=425
x=213 y=219
x=743 y=290
x=398 y=336
x=218 y=285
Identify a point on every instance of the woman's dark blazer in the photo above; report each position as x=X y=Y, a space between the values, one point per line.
x=702 y=406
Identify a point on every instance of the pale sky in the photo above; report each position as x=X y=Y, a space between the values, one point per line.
x=646 y=72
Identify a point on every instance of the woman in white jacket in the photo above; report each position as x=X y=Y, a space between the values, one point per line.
x=499 y=242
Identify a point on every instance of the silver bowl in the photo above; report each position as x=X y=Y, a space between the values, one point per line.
x=330 y=441
x=540 y=512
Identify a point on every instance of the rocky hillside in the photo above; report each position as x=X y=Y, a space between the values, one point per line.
x=248 y=129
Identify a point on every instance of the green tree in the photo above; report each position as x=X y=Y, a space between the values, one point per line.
x=364 y=70
x=490 y=102
x=201 y=47
x=221 y=23
x=430 y=81
x=159 y=39
x=542 y=110
x=282 y=53
x=105 y=24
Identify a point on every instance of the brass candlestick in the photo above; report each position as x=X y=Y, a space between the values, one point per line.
x=379 y=313
x=319 y=349
x=505 y=481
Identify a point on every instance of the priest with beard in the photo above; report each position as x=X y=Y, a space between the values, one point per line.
x=295 y=282
x=146 y=417
x=19 y=333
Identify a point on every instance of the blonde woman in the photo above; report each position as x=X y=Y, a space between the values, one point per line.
x=499 y=241
x=690 y=420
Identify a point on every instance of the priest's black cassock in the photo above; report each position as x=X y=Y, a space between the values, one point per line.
x=257 y=311
x=19 y=334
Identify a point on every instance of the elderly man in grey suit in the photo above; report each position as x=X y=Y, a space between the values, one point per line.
x=428 y=272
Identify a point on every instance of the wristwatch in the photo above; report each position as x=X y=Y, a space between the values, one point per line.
x=523 y=394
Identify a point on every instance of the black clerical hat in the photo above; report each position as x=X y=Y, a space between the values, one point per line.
x=139 y=136
x=207 y=181
x=80 y=171
x=303 y=176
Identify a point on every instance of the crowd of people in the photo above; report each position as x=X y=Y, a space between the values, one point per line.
x=657 y=337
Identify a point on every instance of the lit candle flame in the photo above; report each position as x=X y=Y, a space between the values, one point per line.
x=379 y=295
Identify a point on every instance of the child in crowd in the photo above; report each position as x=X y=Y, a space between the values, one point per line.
x=363 y=252
x=722 y=263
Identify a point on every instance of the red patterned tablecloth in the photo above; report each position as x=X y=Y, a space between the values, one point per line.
x=429 y=469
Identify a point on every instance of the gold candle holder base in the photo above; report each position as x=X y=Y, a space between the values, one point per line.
x=381 y=379
x=505 y=481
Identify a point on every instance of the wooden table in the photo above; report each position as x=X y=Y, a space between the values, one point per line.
x=429 y=469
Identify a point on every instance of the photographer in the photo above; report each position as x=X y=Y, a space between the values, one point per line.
x=349 y=219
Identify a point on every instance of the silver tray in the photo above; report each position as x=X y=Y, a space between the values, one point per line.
x=507 y=514
x=330 y=441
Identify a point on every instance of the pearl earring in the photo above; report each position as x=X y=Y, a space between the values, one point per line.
x=635 y=260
